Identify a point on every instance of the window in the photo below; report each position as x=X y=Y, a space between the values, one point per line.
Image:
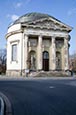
x=33 y=42
x=59 y=43
x=46 y=43
x=45 y=55
x=14 y=52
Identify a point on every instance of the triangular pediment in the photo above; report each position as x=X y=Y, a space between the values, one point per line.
x=48 y=23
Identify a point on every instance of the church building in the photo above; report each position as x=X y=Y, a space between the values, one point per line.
x=37 y=42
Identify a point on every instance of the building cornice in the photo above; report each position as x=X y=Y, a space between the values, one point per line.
x=48 y=28
x=13 y=32
x=52 y=25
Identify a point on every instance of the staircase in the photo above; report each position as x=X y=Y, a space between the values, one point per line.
x=49 y=74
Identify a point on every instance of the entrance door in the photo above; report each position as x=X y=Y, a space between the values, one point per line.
x=45 y=61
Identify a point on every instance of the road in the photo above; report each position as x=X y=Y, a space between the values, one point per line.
x=41 y=97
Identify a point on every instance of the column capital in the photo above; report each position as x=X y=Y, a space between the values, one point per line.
x=67 y=37
x=53 y=40
x=40 y=35
x=65 y=41
x=40 y=40
x=26 y=38
x=26 y=35
x=53 y=36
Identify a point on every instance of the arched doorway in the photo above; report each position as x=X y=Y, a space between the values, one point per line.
x=58 y=60
x=45 y=61
x=32 y=60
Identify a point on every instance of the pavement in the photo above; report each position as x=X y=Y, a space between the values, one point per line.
x=4 y=77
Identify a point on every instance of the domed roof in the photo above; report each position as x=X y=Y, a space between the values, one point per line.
x=34 y=16
x=30 y=17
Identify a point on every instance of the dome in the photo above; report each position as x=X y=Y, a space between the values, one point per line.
x=30 y=17
x=34 y=16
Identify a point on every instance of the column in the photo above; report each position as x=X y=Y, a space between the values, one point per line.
x=50 y=55
x=53 y=53
x=39 y=53
x=26 y=52
x=66 y=53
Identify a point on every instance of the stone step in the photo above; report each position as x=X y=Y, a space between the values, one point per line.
x=49 y=74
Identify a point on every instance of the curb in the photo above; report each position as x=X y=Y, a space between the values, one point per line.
x=5 y=78
x=2 y=106
x=7 y=105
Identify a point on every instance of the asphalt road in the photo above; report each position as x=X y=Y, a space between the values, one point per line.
x=41 y=97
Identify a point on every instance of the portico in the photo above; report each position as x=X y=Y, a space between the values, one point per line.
x=41 y=44
x=40 y=52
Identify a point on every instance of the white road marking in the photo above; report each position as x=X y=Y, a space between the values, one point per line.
x=51 y=87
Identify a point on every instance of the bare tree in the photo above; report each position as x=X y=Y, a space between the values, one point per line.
x=73 y=61
x=2 y=61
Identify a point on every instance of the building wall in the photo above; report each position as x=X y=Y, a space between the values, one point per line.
x=14 y=39
x=14 y=28
x=17 y=37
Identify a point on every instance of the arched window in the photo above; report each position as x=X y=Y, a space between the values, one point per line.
x=45 y=55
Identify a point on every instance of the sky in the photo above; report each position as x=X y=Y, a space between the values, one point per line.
x=63 y=10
